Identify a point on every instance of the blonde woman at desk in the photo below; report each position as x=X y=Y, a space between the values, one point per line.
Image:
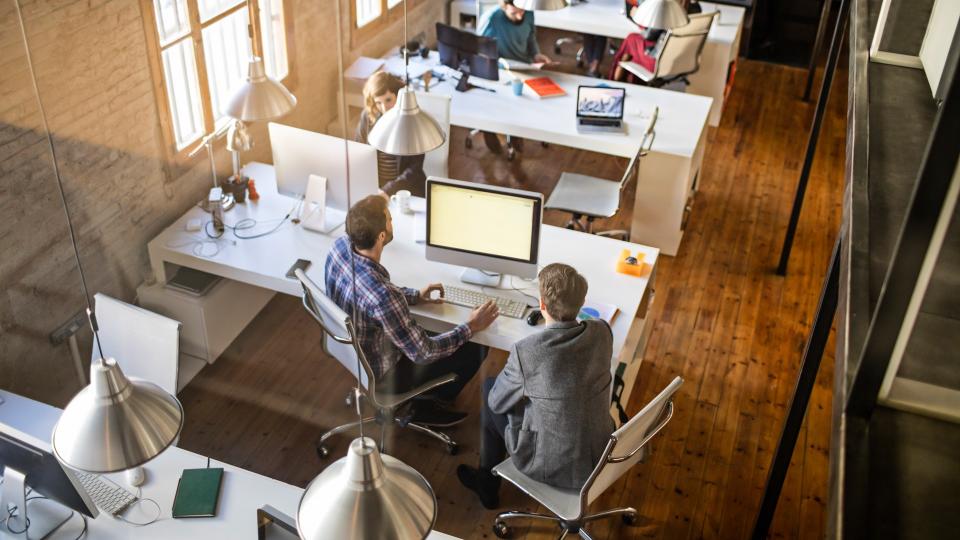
x=395 y=172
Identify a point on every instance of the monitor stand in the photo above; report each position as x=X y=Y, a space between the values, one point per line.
x=476 y=276
x=331 y=220
x=45 y=516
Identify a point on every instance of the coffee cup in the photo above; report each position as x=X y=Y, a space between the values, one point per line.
x=402 y=200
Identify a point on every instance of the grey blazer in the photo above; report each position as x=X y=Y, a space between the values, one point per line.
x=555 y=391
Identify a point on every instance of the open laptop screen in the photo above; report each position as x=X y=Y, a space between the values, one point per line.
x=600 y=102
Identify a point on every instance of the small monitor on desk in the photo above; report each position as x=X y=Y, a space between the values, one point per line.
x=298 y=153
x=465 y=51
x=23 y=465
x=488 y=229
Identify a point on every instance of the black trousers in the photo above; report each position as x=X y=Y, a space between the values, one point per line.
x=493 y=450
x=593 y=47
x=407 y=375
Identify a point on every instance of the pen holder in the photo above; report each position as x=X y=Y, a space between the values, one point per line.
x=632 y=265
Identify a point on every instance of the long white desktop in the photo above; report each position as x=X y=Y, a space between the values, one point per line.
x=257 y=268
x=243 y=491
x=668 y=174
x=606 y=18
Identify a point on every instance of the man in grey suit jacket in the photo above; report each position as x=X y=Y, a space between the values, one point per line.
x=549 y=407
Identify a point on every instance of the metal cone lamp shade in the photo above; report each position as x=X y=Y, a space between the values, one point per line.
x=367 y=495
x=116 y=423
x=660 y=15
x=540 y=5
x=260 y=97
x=406 y=130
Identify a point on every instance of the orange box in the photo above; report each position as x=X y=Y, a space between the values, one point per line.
x=623 y=267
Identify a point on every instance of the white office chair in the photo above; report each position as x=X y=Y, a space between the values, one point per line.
x=678 y=57
x=435 y=163
x=625 y=448
x=146 y=345
x=588 y=197
x=339 y=341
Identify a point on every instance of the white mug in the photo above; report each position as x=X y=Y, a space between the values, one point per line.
x=402 y=200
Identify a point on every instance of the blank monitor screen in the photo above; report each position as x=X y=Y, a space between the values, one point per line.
x=483 y=220
x=600 y=102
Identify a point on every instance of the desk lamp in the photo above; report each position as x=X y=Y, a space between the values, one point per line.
x=114 y=423
x=660 y=15
x=365 y=494
x=406 y=130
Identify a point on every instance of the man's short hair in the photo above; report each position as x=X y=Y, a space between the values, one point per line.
x=366 y=220
x=562 y=290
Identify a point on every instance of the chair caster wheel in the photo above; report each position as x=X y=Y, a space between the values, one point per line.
x=323 y=452
x=630 y=519
x=468 y=142
x=453 y=449
x=511 y=154
x=501 y=530
x=557 y=49
x=580 y=64
x=348 y=401
x=544 y=144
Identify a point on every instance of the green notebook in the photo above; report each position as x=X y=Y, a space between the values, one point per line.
x=197 y=493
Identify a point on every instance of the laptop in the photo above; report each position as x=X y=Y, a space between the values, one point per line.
x=600 y=109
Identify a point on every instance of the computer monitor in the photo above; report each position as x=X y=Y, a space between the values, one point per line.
x=298 y=153
x=600 y=102
x=487 y=229
x=23 y=464
x=468 y=52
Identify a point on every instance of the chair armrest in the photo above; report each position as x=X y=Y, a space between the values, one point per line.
x=643 y=443
x=393 y=400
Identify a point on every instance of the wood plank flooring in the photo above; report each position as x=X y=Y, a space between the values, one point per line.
x=722 y=320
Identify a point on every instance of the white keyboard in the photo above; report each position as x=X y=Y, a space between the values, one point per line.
x=108 y=496
x=471 y=299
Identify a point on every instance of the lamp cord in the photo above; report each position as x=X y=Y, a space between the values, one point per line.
x=56 y=169
x=346 y=154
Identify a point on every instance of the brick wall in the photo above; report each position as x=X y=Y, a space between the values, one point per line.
x=96 y=87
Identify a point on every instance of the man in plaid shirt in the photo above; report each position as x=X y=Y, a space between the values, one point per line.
x=402 y=354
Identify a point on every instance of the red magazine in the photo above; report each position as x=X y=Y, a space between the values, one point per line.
x=544 y=87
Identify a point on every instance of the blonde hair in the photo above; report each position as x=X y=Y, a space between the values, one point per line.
x=562 y=290
x=379 y=84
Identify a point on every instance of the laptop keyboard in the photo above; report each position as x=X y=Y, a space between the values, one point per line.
x=593 y=122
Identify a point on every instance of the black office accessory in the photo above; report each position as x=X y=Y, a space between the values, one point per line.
x=198 y=492
x=534 y=317
x=468 y=52
x=301 y=264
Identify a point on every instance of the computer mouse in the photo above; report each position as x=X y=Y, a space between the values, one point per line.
x=136 y=476
x=534 y=317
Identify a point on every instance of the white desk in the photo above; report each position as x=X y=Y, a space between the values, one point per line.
x=263 y=262
x=606 y=18
x=243 y=492
x=668 y=174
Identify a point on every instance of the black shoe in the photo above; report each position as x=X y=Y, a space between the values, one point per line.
x=492 y=142
x=432 y=413
x=483 y=483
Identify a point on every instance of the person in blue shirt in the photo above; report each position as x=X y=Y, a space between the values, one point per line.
x=516 y=37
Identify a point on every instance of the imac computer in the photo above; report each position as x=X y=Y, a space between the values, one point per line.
x=298 y=154
x=488 y=229
x=24 y=465
x=467 y=52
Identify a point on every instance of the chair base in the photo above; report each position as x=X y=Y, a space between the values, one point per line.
x=582 y=223
x=502 y=530
x=384 y=419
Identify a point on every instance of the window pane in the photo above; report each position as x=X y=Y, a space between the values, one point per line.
x=392 y=3
x=226 y=49
x=172 y=20
x=274 y=38
x=183 y=92
x=367 y=10
x=212 y=8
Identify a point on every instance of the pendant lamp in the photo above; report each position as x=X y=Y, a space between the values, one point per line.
x=260 y=97
x=114 y=423
x=540 y=5
x=406 y=130
x=660 y=15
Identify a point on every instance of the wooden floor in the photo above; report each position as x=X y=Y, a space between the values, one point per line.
x=722 y=320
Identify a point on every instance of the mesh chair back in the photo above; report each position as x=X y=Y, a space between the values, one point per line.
x=435 y=162
x=680 y=55
x=701 y=22
x=626 y=444
x=337 y=328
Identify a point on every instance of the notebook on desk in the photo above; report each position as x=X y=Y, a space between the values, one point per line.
x=198 y=492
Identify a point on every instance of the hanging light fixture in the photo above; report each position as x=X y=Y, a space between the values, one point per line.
x=365 y=494
x=260 y=97
x=660 y=15
x=540 y=5
x=406 y=130
x=114 y=423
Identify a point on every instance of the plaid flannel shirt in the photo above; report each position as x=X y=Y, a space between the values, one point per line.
x=385 y=328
